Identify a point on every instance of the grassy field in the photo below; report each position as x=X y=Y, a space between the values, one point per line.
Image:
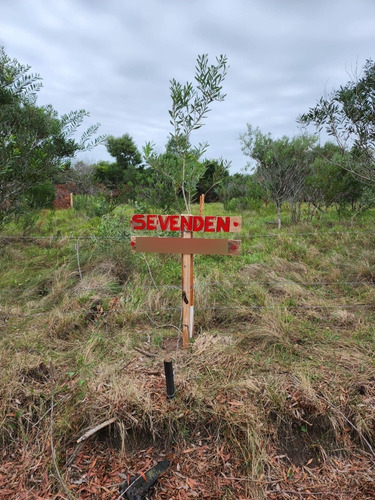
x=275 y=398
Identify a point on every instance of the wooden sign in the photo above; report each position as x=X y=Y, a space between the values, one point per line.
x=194 y=223
x=204 y=246
x=187 y=246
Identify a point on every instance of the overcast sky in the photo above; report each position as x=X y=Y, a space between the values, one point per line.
x=115 y=58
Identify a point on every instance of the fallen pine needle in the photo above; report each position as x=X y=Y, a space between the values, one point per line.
x=53 y=451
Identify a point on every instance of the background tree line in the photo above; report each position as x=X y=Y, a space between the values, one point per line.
x=38 y=148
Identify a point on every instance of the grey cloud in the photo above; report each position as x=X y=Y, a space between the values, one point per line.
x=116 y=59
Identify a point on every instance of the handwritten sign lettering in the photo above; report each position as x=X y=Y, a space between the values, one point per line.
x=196 y=223
x=187 y=246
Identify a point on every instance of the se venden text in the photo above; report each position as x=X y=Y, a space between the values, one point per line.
x=207 y=224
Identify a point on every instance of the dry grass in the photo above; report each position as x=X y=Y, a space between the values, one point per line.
x=275 y=394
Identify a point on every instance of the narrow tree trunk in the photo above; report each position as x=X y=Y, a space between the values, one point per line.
x=293 y=212
x=278 y=208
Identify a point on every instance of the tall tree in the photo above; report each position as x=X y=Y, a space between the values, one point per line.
x=348 y=115
x=124 y=150
x=127 y=166
x=190 y=106
x=35 y=143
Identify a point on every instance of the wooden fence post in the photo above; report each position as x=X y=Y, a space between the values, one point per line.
x=201 y=204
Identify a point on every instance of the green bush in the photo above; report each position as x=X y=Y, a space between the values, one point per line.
x=92 y=206
x=113 y=227
x=242 y=192
x=245 y=203
x=41 y=196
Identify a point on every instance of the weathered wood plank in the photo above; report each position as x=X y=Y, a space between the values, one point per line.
x=204 y=246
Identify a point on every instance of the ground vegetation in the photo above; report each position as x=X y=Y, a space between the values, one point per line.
x=274 y=399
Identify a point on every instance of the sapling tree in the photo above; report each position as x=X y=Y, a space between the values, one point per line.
x=190 y=105
x=282 y=166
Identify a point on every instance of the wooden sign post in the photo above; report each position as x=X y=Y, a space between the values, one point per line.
x=187 y=246
x=187 y=261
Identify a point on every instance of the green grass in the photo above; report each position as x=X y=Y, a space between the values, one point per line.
x=284 y=341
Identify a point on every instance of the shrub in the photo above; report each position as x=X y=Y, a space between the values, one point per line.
x=41 y=196
x=113 y=226
x=93 y=206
